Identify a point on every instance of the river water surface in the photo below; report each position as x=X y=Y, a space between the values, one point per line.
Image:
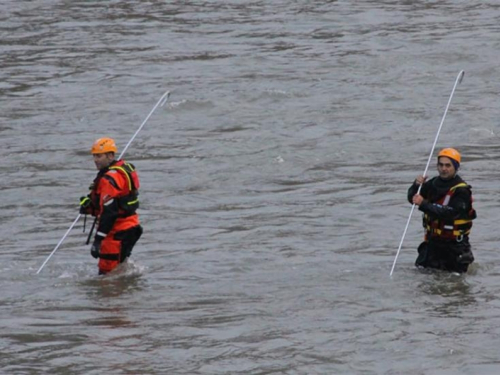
x=273 y=185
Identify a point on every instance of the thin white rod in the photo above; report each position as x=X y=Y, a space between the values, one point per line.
x=161 y=103
x=459 y=79
x=60 y=242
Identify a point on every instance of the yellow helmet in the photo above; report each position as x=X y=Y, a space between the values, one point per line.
x=450 y=153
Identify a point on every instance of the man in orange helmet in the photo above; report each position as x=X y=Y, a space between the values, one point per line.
x=446 y=201
x=113 y=200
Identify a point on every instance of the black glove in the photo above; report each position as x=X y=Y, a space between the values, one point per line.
x=96 y=247
x=84 y=205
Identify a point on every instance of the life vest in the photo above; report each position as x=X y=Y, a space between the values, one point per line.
x=453 y=229
x=129 y=201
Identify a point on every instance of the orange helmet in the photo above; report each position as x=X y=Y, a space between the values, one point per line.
x=450 y=153
x=103 y=145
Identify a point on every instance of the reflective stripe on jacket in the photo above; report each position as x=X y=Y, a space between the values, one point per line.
x=115 y=194
x=451 y=229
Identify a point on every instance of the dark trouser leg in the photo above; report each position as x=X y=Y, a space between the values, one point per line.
x=462 y=256
x=423 y=255
x=128 y=239
x=449 y=256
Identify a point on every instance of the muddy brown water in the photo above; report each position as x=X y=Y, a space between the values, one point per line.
x=273 y=185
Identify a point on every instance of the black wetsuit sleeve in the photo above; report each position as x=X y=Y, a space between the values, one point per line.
x=414 y=188
x=108 y=216
x=412 y=191
x=110 y=207
x=458 y=207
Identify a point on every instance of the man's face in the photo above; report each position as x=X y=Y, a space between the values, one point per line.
x=103 y=160
x=445 y=168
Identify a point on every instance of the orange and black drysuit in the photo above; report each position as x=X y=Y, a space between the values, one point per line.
x=114 y=202
x=447 y=219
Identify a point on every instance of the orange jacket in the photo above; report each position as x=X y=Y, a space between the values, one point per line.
x=114 y=197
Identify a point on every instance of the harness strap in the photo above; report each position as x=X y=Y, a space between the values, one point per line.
x=438 y=231
x=450 y=192
x=437 y=228
x=110 y=256
x=126 y=172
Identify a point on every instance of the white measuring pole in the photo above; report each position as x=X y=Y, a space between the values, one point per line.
x=457 y=82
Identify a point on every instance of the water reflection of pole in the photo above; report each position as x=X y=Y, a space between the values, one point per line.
x=457 y=82
x=161 y=103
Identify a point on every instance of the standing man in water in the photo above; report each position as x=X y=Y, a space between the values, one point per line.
x=446 y=201
x=113 y=200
